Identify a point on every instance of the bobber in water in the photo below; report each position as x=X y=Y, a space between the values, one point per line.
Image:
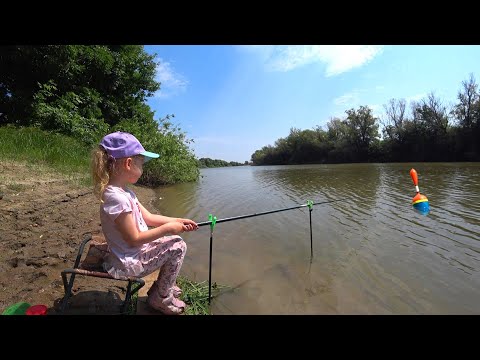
x=419 y=201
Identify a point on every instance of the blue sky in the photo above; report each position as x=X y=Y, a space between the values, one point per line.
x=233 y=100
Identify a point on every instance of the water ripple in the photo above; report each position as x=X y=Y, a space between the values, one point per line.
x=372 y=252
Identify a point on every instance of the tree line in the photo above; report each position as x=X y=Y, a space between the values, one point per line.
x=426 y=130
x=87 y=91
x=210 y=163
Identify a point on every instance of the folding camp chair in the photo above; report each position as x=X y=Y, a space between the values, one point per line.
x=100 y=273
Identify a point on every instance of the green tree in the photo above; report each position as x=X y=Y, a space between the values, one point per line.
x=466 y=111
x=362 y=130
x=393 y=124
x=85 y=91
x=94 y=82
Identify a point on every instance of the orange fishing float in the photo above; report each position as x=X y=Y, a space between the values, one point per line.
x=420 y=201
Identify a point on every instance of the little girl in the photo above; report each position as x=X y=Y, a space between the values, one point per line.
x=136 y=250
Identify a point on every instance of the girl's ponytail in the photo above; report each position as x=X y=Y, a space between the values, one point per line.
x=102 y=165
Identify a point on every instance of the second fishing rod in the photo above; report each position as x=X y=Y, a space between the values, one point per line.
x=213 y=221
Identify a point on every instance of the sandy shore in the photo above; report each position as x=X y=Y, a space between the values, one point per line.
x=44 y=217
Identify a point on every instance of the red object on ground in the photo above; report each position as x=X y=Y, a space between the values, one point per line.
x=37 y=310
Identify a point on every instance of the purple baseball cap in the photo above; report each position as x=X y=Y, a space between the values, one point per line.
x=121 y=144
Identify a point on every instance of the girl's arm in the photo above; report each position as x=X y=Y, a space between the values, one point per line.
x=159 y=220
x=128 y=228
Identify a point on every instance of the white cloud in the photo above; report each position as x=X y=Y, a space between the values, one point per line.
x=337 y=58
x=415 y=97
x=349 y=99
x=172 y=83
x=377 y=110
x=352 y=100
x=213 y=140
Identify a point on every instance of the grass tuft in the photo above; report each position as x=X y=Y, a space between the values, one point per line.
x=195 y=295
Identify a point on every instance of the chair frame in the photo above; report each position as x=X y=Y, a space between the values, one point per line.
x=76 y=270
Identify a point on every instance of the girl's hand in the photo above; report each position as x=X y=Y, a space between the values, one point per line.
x=189 y=225
x=175 y=227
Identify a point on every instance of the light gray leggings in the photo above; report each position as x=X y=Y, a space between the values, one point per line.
x=166 y=254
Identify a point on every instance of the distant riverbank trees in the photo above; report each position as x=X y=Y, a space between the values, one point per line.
x=210 y=163
x=424 y=130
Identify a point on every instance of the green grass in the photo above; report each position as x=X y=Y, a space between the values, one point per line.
x=132 y=307
x=195 y=295
x=34 y=146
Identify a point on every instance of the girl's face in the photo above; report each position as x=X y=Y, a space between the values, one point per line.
x=135 y=168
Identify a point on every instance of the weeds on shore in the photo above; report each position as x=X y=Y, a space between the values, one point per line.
x=195 y=295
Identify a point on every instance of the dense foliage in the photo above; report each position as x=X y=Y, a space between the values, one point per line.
x=431 y=131
x=88 y=91
x=209 y=163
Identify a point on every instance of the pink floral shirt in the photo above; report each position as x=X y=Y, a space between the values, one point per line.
x=124 y=259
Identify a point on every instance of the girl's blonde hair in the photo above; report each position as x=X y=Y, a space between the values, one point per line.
x=102 y=167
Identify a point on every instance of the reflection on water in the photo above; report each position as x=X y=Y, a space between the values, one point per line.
x=373 y=254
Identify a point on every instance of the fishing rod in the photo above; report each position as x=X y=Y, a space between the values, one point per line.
x=213 y=221
x=265 y=212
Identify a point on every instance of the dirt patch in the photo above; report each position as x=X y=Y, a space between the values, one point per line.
x=44 y=217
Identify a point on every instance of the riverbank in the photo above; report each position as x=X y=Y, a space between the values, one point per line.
x=44 y=216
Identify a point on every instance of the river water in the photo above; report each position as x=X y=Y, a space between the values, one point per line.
x=372 y=253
